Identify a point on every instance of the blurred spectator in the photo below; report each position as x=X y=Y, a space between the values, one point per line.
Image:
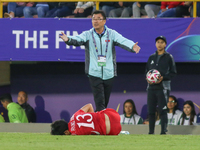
x=124 y=10
x=15 y=112
x=183 y=10
x=138 y=9
x=22 y=101
x=107 y=7
x=173 y=114
x=152 y=9
x=61 y=9
x=83 y=9
x=198 y=115
x=189 y=114
x=157 y=118
x=38 y=10
x=130 y=115
x=168 y=9
x=198 y=118
x=4 y=113
x=5 y=7
x=15 y=9
x=1 y=118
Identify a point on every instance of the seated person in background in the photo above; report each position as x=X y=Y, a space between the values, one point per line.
x=61 y=9
x=87 y=122
x=157 y=118
x=198 y=118
x=22 y=101
x=39 y=10
x=83 y=9
x=107 y=7
x=15 y=9
x=130 y=115
x=183 y=10
x=5 y=7
x=4 y=113
x=152 y=9
x=173 y=114
x=168 y=9
x=198 y=115
x=138 y=9
x=1 y=118
x=124 y=11
x=16 y=114
x=189 y=114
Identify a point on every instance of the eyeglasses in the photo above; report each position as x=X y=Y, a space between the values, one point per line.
x=98 y=19
x=171 y=102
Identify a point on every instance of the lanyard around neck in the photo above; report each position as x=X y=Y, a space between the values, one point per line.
x=96 y=44
x=128 y=120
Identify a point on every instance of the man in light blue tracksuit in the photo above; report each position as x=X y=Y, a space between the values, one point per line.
x=100 y=56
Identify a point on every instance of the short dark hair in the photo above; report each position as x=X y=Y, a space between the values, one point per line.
x=6 y=97
x=100 y=12
x=25 y=93
x=59 y=127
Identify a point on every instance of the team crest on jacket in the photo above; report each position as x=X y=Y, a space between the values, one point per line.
x=152 y=62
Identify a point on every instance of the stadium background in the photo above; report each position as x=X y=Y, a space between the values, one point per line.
x=57 y=88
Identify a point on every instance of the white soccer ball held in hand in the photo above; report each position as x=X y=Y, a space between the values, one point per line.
x=153 y=75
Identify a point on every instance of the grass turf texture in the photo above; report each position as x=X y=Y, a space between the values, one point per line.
x=45 y=141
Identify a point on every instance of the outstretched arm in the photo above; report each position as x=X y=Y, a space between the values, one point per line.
x=125 y=43
x=88 y=108
x=77 y=40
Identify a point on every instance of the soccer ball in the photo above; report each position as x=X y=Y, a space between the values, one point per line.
x=153 y=75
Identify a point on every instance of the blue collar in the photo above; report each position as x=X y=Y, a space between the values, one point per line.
x=102 y=32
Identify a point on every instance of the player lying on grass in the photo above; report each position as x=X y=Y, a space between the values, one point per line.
x=87 y=122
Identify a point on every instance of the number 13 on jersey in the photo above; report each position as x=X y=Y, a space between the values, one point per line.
x=88 y=122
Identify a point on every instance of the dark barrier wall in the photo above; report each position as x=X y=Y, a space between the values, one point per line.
x=57 y=90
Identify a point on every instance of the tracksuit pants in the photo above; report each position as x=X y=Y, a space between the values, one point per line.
x=160 y=98
x=101 y=91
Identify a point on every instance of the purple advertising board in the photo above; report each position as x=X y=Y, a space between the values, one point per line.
x=38 y=39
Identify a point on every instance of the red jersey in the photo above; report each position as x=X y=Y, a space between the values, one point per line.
x=82 y=123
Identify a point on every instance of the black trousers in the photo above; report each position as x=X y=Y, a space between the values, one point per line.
x=160 y=98
x=101 y=91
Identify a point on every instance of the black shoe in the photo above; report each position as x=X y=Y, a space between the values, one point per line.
x=163 y=133
x=151 y=133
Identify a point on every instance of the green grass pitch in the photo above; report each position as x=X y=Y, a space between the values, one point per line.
x=45 y=141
